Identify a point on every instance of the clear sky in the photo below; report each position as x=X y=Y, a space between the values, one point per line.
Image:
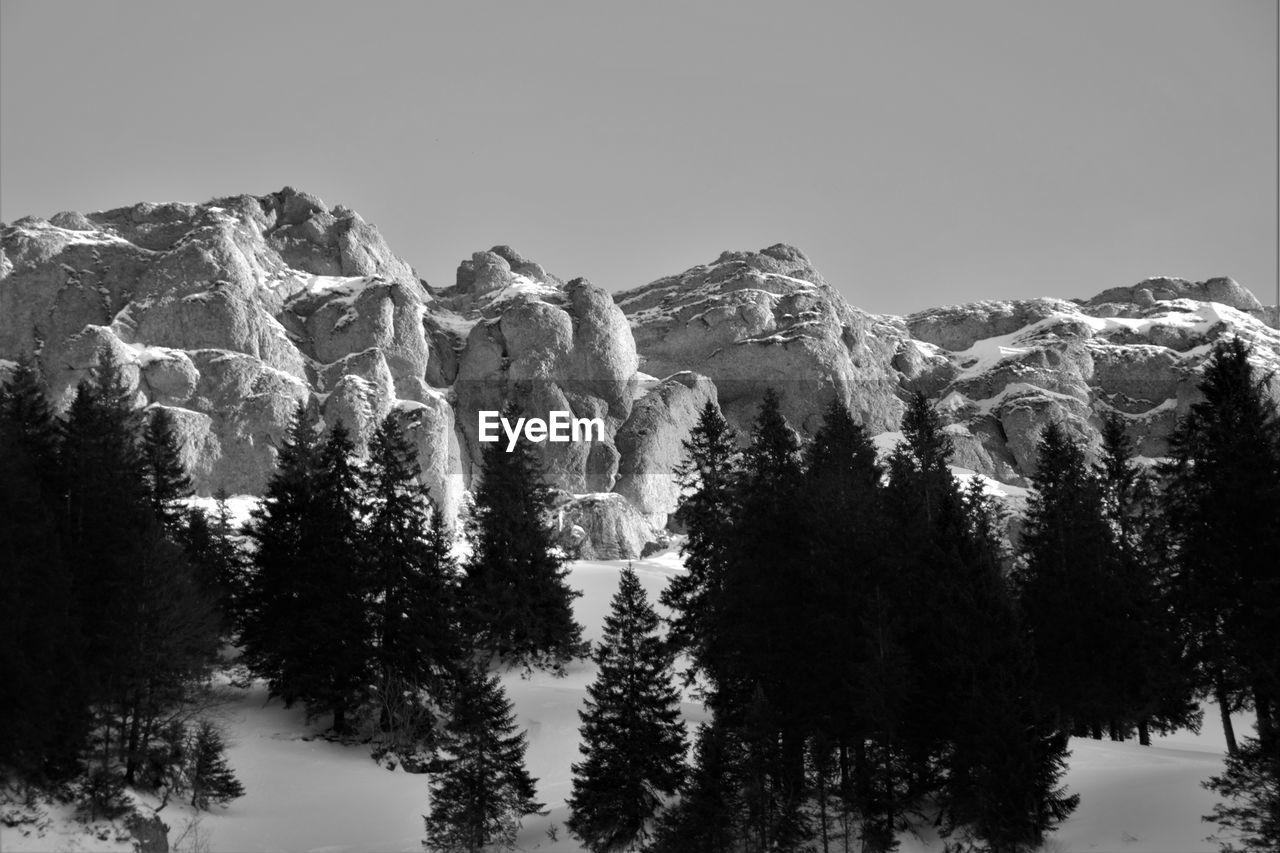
x=920 y=153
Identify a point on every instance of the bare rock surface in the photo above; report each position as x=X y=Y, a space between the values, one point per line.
x=651 y=443
x=237 y=313
x=751 y=320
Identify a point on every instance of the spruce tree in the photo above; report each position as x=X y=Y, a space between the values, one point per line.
x=1076 y=607
x=412 y=579
x=482 y=790
x=925 y=551
x=709 y=815
x=211 y=778
x=166 y=476
x=211 y=544
x=337 y=644
x=761 y=629
x=1223 y=489
x=633 y=739
x=1155 y=676
x=707 y=477
x=148 y=627
x=43 y=720
x=1006 y=756
x=515 y=596
x=107 y=511
x=280 y=526
x=843 y=479
x=1250 y=786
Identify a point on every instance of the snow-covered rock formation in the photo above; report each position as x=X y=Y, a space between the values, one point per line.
x=236 y=312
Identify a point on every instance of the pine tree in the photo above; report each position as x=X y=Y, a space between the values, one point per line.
x=707 y=477
x=211 y=778
x=633 y=740
x=1223 y=489
x=107 y=512
x=1006 y=757
x=211 y=545
x=761 y=629
x=514 y=594
x=1155 y=676
x=1076 y=607
x=148 y=627
x=412 y=577
x=842 y=484
x=43 y=720
x=337 y=644
x=271 y=619
x=925 y=550
x=482 y=790
x=1251 y=787
x=166 y=476
x=709 y=815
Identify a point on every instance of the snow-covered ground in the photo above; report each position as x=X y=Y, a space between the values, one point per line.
x=307 y=794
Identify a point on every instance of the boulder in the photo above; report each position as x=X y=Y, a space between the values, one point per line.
x=168 y=375
x=603 y=527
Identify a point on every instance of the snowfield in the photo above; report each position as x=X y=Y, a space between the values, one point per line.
x=305 y=793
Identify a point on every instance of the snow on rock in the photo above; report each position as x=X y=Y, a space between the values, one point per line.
x=753 y=320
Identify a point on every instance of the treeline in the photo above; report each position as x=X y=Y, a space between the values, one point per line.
x=873 y=652
x=111 y=619
x=875 y=656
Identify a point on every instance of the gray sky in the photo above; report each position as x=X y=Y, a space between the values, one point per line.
x=919 y=153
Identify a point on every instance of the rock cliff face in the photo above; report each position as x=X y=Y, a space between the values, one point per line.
x=235 y=313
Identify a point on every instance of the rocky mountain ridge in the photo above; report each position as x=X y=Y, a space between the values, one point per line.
x=235 y=312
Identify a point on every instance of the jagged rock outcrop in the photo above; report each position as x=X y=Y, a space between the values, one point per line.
x=999 y=370
x=1074 y=362
x=238 y=313
x=651 y=441
x=755 y=319
x=231 y=313
x=545 y=347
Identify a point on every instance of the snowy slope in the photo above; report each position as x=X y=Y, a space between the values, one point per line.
x=307 y=794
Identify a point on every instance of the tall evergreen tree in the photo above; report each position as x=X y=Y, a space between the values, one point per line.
x=707 y=476
x=515 y=596
x=166 y=476
x=336 y=642
x=148 y=627
x=1154 y=674
x=212 y=546
x=1223 y=489
x=709 y=815
x=482 y=790
x=761 y=629
x=412 y=576
x=107 y=512
x=280 y=527
x=926 y=546
x=1006 y=757
x=843 y=483
x=43 y=720
x=633 y=740
x=1076 y=607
